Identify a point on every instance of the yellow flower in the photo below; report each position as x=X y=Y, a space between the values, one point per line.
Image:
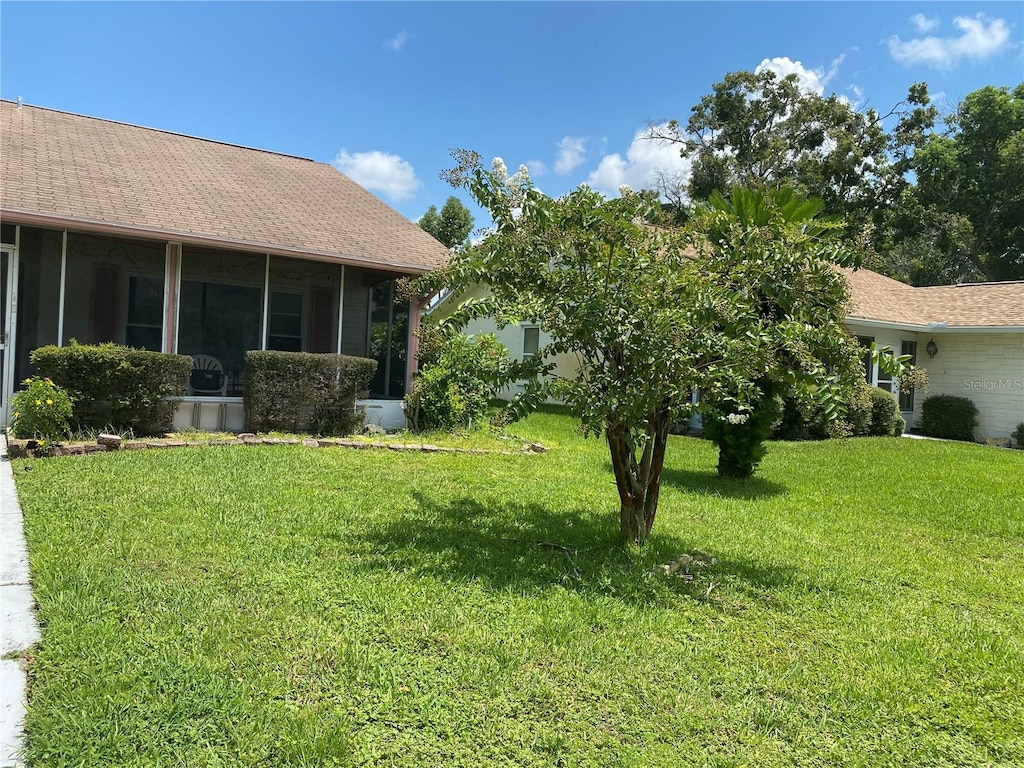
x=48 y=380
x=39 y=402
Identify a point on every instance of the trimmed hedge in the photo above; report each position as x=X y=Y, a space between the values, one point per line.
x=302 y=391
x=115 y=387
x=949 y=416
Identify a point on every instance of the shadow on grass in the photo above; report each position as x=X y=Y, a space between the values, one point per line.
x=528 y=548
x=706 y=483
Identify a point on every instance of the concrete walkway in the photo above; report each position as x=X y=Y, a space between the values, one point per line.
x=18 y=627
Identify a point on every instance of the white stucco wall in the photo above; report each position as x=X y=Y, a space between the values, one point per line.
x=987 y=368
x=228 y=414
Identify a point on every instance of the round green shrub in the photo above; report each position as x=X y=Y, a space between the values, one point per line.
x=949 y=416
x=867 y=411
x=42 y=410
x=885 y=410
x=456 y=384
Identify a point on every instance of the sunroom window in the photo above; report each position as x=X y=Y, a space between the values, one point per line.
x=220 y=311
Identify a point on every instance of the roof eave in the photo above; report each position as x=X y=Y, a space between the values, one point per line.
x=55 y=221
x=853 y=320
x=934 y=327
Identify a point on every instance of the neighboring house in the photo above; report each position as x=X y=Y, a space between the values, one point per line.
x=113 y=232
x=521 y=340
x=969 y=338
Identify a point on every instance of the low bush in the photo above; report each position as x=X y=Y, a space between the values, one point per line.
x=949 y=416
x=856 y=422
x=455 y=385
x=1018 y=435
x=869 y=411
x=302 y=391
x=800 y=421
x=41 y=410
x=115 y=387
x=885 y=414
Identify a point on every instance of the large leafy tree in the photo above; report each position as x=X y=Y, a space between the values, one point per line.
x=963 y=217
x=758 y=130
x=646 y=320
x=451 y=226
x=937 y=206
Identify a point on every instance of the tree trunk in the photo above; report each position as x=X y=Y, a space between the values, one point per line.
x=638 y=482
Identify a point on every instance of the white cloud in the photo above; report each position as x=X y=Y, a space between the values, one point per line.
x=571 y=152
x=980 y=39
x=397 y=42
x=809 y=80
x=645 y=161
x=379 y=171
x=923 y=23
x=536 y=168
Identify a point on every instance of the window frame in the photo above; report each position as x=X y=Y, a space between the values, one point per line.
x=530 y=327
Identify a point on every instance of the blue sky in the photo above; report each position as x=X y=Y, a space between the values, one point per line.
x=383 y=90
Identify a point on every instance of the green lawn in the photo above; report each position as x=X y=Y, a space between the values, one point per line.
x=285 y=606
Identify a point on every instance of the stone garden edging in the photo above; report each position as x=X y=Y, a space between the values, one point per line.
x=105 y=443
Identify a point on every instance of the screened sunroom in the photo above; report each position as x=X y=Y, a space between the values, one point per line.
x=212 y=304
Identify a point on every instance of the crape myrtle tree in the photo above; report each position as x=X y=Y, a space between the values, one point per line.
x=646 y=321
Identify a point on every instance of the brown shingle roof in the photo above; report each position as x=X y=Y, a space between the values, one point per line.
x=101 y=173
x=876 y=297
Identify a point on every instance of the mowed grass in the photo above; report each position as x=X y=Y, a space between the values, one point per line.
x=284 y=606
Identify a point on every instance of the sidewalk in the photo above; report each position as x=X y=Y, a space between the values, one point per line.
x=18 y=627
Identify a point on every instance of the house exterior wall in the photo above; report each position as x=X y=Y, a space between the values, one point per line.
x=228 y=414
x=511 y=336
x=986 y=368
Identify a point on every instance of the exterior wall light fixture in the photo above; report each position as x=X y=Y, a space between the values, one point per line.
x=932 y=348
